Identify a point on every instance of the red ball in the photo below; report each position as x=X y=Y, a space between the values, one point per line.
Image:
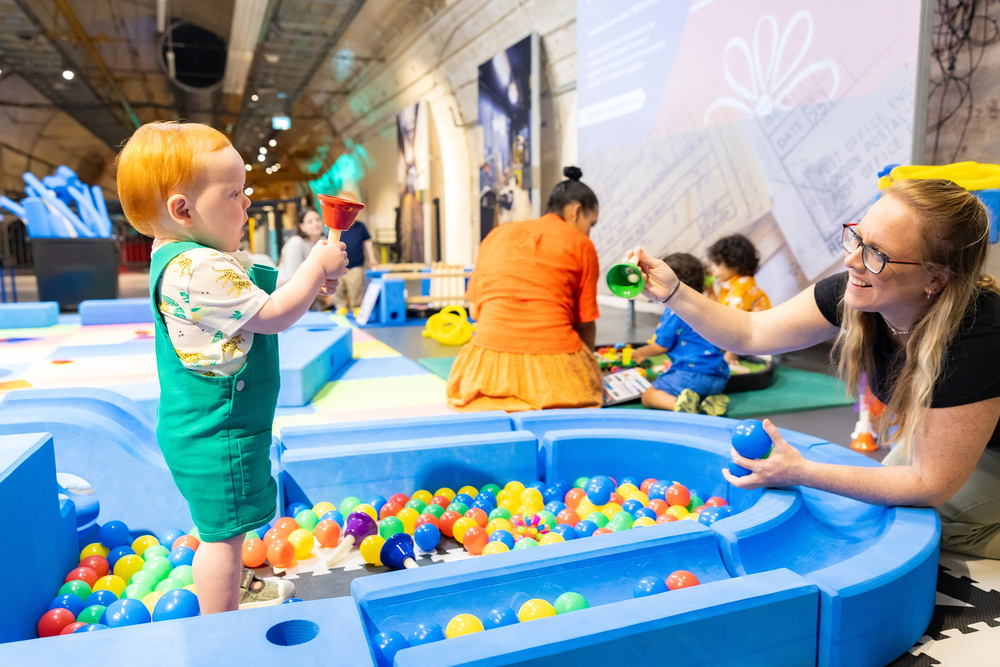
x=479 y=516
x=447 y=521
x=427 y=518
x=441 y=500
x=603 y=531
x=254 y=553
x=327 y=533
x=665 y=518
x=568 y=516
x=69 y=629
x=281 y=553
x=716 y=501
x=287 y=524
x=573 y=497
x=658 y=506
x=53 y=621
x=400 y=499
x=389 y=509
x=646 y=483
x=677 y=494
x=616 y=498
x=681 y=579
x=83 y=574
x=189 y=541
x=475 y=540
x=98 y=564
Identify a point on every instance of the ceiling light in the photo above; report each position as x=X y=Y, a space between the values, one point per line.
x=249 y=167
x=248 y=192
x=277 y=166
x=254 y=97
x=272 y=143
x=272 y=58
x=263 y=151
x=260 y=158
x=244 y=34
x=68 y=74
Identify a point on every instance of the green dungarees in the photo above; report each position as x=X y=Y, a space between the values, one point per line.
x=215 y=432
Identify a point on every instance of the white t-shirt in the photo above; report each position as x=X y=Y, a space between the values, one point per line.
x=206 y=296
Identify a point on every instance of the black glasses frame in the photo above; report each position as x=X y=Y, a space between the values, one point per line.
x=873 y=258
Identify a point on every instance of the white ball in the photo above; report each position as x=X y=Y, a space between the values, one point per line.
x=633 y=278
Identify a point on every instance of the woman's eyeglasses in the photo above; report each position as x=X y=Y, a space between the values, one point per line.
x=874 y=259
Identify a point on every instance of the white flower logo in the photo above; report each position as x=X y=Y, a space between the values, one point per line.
x=768 y=90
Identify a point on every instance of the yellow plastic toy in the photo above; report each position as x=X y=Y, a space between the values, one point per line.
x=450 y=326
x=970 y=175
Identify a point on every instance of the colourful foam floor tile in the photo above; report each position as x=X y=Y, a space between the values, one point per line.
x=359 y=336
x=380 y=367
x=129 y=348
x=373 y=348
x=109 y=334
x=353 y=395
x=316 y=418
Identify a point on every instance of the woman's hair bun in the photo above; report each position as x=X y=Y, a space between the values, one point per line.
x=573 y=173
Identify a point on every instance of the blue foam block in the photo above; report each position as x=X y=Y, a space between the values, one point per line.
x=28 y=315
x=392 y=302
x=309 y=357
x=380 y=367
x=115 y=311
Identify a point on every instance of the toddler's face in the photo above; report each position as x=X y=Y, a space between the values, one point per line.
x=219 y=206
x=721 y=271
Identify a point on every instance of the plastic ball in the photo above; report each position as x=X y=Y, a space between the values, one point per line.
x=90 y=627
x=500 y=513
x=580 y=482
x=102 y=597
x=113 y=534
x=645 y=513
x=643 y=522
x=425 y=518
x=167 y=584
x=427 y=536
x=426 y=633
x=348 y=504
x=184 y=575
x=716 y=501
x=281 y=553
x=646 y=483
x=434 y=510
x=479 y=516
x=585 y=528
x=495 y=548
x=440 y=501
x=415 y=504
x=658 y=490
x=82 y=573
x=185 y=555
x=621 y=521
x=292 y=600
x=681 y=579
x=463 y=498
x=710 y=515
x=389 y=509
x=387 y=645
x=475 y=540
x=737 y=470
x=603 y=531
x=307 y=519
x=112 y=583
x=179 y=603
x=498 y=524
x=136 y=591
x=457 y=507
x=154 y=551
x=570 y=601
x=631 y=506
x=566 y=531
x=92 y=614
x=67 y=601
x=598 y=518
x=751 y=440
x=53 y=621
x=127 y=566
x=550 y=538
x=143 y=542
x=327 y=533
x=118 y=553
x=649 y=586
x=72 y=627
x=460 y=526
x=371 y=549
x=302 y=540
x=502 y=535
x=286 y=524
x=94 y=549
x=678 y=494
x=526 y=543
x=573 y=497
x=98 y=564
x=322 y=508
x=535 y=609
x=676 y=511
x=189 y=541
x=500 y=617
x=159 y=566
x=295 y=508
x=150 y=600
x=389 y=526
x=447 y=521
x=126 y=612
x=515 y=487
x=463 y=624
x=377 y=503
x=445 y=492
x=254 y=553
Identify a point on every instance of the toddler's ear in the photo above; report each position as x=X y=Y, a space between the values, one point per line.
x=177 y=207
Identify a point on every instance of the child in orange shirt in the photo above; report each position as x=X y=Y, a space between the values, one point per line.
x=735 y=261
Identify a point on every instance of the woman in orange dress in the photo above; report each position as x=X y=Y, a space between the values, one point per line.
x=534 y=294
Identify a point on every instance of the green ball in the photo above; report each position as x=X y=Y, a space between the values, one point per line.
x=167 y=584
x=154 y=551
x=194 y=532
x=348 y=504
x=416 y=504
x=570 y=602
x=599 y=518
x=159 y=566
x=581 y=482
x=183 y=575
x=434 y=510
x=307 y=519
x=390 y=526
x=144 y=578
x=80 y=589
x=252 y=535
x=492 y=488
x=548 y=518
x=624 y=523
x=695 y=503
x=136 y=591
x=91 y=614
x=461 y=508
x=526 y=543
x=500 y=513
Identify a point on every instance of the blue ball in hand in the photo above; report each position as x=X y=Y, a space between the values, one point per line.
x=751 y=440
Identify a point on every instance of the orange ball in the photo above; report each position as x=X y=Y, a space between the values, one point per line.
x=479 y=516
x=603 y=531
x=568 y=516
x=254 y=553
x=665 y=518
x=681 y=579
x=400 y=499
x=646 y=483
x=678 y=494
x=427 y=518
x=476 y=540
x=447 y=521
x=658 y=506
x=189 y=541
x=281 y=553
x=83 y=573
x=573 y=497
x=616 y=498
x=716 y=501
x=327 y=533
x=273 y=534
x=287 y=524
x=389 y=509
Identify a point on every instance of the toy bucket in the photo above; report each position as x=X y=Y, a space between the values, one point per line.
x=339 y=213
x=625 y=280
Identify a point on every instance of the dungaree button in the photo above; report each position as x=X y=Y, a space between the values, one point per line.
x=239 y=385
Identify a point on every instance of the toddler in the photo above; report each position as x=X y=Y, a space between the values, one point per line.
x=735 y=261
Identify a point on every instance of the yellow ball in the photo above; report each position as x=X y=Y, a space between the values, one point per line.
x=497 y=547
x=677 y=511
x=535 y=609
x=94 y=549
x=423 y=495
x=643 y=521
x=408 y=516
x=446 y=492
x=322 y=508
x=514 y=487
x=303 y=542
x=585 y=508
x=151 y=600
x=531 y=496
x=112 y=583
x=626 y=490
x=469 y=491
x=367 y=509
x=690 y=517
x=510 y=504
x=528 y=510
x=611 y=509
x=127 y=566
x=550 y=538
x=461 y=526
x=190 y=587
x=371 y=549
x=641 y=497
x=503 y=494
x=142 y=543
x=463 y=624
x=497 y=524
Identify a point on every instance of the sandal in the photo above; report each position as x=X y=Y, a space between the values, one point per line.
x=256 y=592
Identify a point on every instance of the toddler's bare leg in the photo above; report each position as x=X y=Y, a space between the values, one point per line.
x=658 y=399
x=217 y=568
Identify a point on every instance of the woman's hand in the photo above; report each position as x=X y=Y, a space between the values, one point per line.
x=781 y=468
x=661 y=281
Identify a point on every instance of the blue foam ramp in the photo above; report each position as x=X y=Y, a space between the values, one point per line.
x=42 y=526
x=313 y=318
x=358 y=433
x=380 y=367
x=112 y=350
x=28 y=315
x=309 y=357
x=115 y=311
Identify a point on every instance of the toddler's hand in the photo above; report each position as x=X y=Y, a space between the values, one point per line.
x=660 y=278
x=331 y=257
x=329 y=288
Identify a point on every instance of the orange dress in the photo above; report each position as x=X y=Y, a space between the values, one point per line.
x=532 y=282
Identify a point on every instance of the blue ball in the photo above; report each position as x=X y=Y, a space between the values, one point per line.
x=737 y=470
x=262 y=531
x=181 y=556
x=295 y=508
x=649 y=586
x=567 y=531
x=646 y=512
x=91 y=627
x=168 y=538
x=632 y=505
x=487 y=496
x=658 y=489
x=103 y=598
x=333 y=515
x=551 y=493
x=178 y=603
x=555 y=507
x=426 y=633
x=68 y=601
x=376 y=502
x=710 y=515
x=504 y=536
x=114 y=534
x=387 y=645
x=463 y=498
x=484 y=504
x=751 y=440
x=499 y=617
x=427 y=536
x=117 y=553
x=291 y=600
x=125 y=612
x=563 y=486
x=632 y=480
x=585 y=528
x=599 y=490
x=537 y=484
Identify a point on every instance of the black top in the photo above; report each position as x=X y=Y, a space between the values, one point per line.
x=971 y=370
x=354 y=238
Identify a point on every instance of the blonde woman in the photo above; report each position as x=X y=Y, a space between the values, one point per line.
x=913 y=312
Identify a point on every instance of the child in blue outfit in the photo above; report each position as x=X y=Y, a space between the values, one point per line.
x=697 y=367
x=215 y=316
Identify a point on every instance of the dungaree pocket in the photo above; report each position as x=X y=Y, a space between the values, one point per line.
x=254 y=462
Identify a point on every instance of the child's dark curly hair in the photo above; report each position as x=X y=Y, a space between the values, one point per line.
x=688 y=268
x=736 y=252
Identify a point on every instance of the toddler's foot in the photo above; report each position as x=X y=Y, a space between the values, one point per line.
x=687 y=401
x=715 y=405
x=256 y=592
x=342 y=311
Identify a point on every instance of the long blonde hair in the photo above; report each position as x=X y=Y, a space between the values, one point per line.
x=954 y=228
